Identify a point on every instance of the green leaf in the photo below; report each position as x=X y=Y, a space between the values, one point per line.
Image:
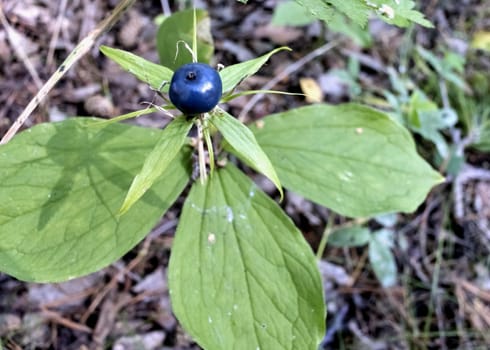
x=475 y=115
x=356 y=10
x=244 y=145
x=405 y=11
x=381 y=258
x=151 y=73
x=318 y=8
x=61 y=186
x=177 y=30
x=349 y=237
x=358 y=34
x=350 y=158
x=483 y=136
x=160 y=158
x=400 y=13
x=449 y=68
x=419 y=103
x=387 y=220
x=241 y=276
x=291 y=13
x=425 y=118
x=396 y=12
x=233 y=75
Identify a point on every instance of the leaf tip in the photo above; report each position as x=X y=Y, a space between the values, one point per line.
x=283 y=48
x=104 y=49
x=440 y=179
x=281 y=192
x=131 y=198
x=124 y=208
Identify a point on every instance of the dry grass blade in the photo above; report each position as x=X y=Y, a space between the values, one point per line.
x=13 y=37
x=80 y=50
x=474 y=305
x=56 y=34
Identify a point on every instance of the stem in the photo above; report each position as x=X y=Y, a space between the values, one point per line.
x=326 y=234
x=200 y=150
x=194 y=37
x=209 y=146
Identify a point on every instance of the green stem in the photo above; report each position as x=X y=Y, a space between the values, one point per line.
x=200 y=151
x=326 y=234
x=194 y=38
x=209 y=146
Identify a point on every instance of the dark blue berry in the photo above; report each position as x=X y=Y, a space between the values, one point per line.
x=195 y=88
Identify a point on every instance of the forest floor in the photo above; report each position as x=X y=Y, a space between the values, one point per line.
x=442 y=296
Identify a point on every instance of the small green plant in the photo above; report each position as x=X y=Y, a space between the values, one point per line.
x=78 y=194
x=414 y=109
x=380 y=244
x=430 y=117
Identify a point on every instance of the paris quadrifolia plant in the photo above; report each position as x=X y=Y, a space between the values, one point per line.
x=77 y=195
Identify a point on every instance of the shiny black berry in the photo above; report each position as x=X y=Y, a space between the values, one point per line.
x=195 y=88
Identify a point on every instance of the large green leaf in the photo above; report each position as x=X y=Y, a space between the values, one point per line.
x=177 y=30
x=61 y=186
x=158 y=160
x=350 y=158
x=155 y=75
x=233 y=75
x=241 y=275
x=244 y=145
